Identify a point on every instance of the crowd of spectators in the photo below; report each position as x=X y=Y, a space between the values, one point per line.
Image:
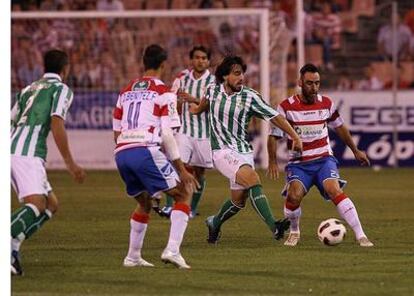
x=105 y=53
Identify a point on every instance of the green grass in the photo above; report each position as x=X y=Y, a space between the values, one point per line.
x=81 y=250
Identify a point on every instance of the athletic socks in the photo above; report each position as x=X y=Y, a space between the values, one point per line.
x=22 y=219
x=169 y=201
x=179 y=221
x=261 y=206
x=197 y=195
x=139 y=223
x=227 y=210
x=37 y=223
x=293 y=213
x=346 y=209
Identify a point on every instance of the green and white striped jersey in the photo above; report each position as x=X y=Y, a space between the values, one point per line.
x=32 y=112
x=195 y=126
x=230 y=116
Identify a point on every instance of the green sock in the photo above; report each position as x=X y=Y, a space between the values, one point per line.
x=227 y=210
x=169 y=200
x=197 y=195
x=261 y=206
x=38 y=222
x=21 y=219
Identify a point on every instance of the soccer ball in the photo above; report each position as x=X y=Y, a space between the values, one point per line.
x=331 y=232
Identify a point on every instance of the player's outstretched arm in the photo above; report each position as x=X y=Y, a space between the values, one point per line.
x=282 y=123
x=273 y=168
x=346 y=137
x=61 y=140
x=197 y=109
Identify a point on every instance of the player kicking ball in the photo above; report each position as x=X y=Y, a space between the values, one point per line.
x=310 y=114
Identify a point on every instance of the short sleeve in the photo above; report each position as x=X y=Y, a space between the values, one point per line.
x=62 y=99
x=335 y=120
x=169 y=117
x=261 y=109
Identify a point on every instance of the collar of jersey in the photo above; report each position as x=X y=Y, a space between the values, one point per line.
x=205 y=74
x=52 y=75
x=223 y=90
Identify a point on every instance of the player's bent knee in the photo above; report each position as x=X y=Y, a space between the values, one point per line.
x=37 y=200
x=52 y=203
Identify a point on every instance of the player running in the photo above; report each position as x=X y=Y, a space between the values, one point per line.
x=194 y=134
x=40 y=107
x=143 y=117
x=231 y=106
x=310 y=114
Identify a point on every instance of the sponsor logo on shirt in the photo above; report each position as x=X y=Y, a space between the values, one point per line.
x=140 y=85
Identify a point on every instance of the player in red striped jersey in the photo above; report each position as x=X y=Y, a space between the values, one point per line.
x=143 y=118
x=310 y=114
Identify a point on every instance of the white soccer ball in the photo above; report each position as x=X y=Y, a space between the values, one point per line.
x=331 y=232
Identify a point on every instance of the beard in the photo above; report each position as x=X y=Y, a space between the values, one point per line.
x=235 y=88
x=309 y=98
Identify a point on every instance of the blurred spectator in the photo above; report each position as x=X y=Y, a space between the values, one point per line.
x=29 y=70
x=46 y=37
x=385 y=44
x=227 y=40
x=108 y=5
x=371 y=81
x=409 y=20
x=327 y=29
x=344 y=83
x=205 y=4
x=48 y=5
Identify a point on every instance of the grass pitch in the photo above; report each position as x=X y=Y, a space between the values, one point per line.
x=80 y=251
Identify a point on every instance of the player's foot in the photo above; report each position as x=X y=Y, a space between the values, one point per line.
x=16 y=268
x=136 y=262
x=213 y=233
x=166 y=212
x=365 y=242
x=156 y=205
x=280 y=227
x=193 y=214
x=293 y=239
x=176 y=259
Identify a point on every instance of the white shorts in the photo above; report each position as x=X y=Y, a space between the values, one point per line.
x=228 y=162
x=195 y=152
x=28 y=176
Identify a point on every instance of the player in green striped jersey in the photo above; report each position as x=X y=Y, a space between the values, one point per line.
x=194 y=134
x=231 y=106
x=40 y=107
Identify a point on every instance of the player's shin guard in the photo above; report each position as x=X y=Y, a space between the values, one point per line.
x=347 y=210
x=227 y=210
x=261 y=206
x=293 y=213
x=22 y=219
x=179 y=221
x=169 y=201
x=37 y=223
x=197 y=195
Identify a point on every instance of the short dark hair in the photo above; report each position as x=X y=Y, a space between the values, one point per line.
x=226 y=65
x=154 y=55
x=308 y=68
x=55 y=60
x=200 y=48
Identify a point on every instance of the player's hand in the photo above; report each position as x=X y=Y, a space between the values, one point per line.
x=189 y=180
x=362 y=158
x=297 y=145
x=183 y=96
x=273 y=171
x=193 y=108
x=77 y=172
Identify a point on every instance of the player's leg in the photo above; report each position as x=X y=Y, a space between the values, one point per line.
x=138 y=223
x=199 y=174
x=129 y=163
x=328 y=178
x=293 y=211
x=179 y=221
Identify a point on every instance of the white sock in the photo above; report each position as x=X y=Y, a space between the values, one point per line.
x=294 y=217
x=136 y=239
x=179 y=221
x=15 y=244
x=348 y=212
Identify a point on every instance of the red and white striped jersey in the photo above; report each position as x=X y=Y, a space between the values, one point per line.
x=310 y=121
x=143 y=108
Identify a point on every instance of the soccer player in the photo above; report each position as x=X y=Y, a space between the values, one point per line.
x=310 y=114
x=143 y=117
x=40 y=107
x=231 y=106
x=193 y=136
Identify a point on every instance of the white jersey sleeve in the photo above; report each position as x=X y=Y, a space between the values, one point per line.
x=170 y=118
x=274 y=130
x=335 y=120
